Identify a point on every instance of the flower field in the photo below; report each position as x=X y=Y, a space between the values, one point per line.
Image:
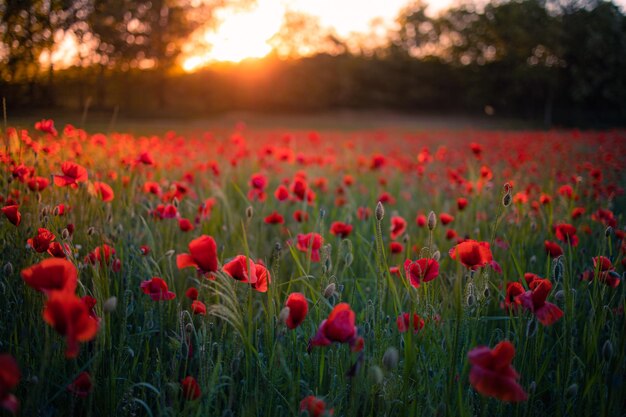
x=264 y=272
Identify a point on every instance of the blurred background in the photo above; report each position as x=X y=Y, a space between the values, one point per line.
x=550 y=63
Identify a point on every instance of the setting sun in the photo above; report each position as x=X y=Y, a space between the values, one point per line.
x=247 y=33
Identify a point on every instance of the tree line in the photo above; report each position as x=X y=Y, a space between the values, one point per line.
x=560 y=62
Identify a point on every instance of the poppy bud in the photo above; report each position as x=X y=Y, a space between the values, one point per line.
x=278 y=247
x=437 y=255
x=607 y=350
x=348 y=259
x=56 y=211
x=432 y=221
x=249 y=212
x=91 y=231
x=284 y=315
x=571 y=391
x=376 y=374
x=110 y=305
x=487 y=292
x=532 y=387
x=65 y=234
x=560 y=296
x=471 y=299
x=322 y=214
x=506 y=200
x=533 y=260
x=558 y=269
x=8 y=269
x=608 y=231
x=531 y=328
x=380 y=211
x=390 y=358
x=330 y=290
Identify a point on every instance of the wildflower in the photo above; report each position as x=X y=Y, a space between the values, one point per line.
x=191 y=389
x=472 y=254
x=312 y=242
x=403 y=322
x=534 y=301
x=41 y=242
x=82 y=385
x=52 y=274
x=202 y=255
x=104 y=191
x=13 y=214
x=492 y=374
x=422 y=270
x=69 y=316
x=157 y=289
x=398 y=226
x=72 y=175
x=298 y=309
x=315 y=407
x=340 y=229
x=10 y=376
x=338 y=327
x=566 y=233
x=198 y=307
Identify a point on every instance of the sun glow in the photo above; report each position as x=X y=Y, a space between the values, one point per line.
x=247 y=33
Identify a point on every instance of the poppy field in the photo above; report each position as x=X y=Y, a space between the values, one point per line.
x=261 y=272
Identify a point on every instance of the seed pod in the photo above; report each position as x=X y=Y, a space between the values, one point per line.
x=380 y=211
x=390 y=358
x=432 y=221
x=110 y=305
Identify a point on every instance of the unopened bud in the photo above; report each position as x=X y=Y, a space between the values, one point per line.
x=322 y=213
x=91 y=231
x=607 y=350
x=249 y=212
x=284 y=315
x=432 y=220
x=560 y=296
x=437 y=255
x=8 y=269
x=330 y=290
x=65 y=234
x=278 y=247
x=571 y=391
x=376 y=374
x=608 y=232
x=110 y=305
x=380 y=211
x=390 y=358
x=506 y=200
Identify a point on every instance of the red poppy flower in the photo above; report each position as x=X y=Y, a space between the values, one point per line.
x=461 y=203
x=396 y=247
x=341 y=229
x=363 y=213
x=545 y=199
x=59 y=250
x=69 y=316
x=144 y=249
x=275 y=218
x=602 y=264
x=198 y=307
x=192 y=293
x=300 y=216
x=566 y=233
x=72 y=175
x=472 y=254
x=492 y=374
x=298 y=309
x=185 y=225
x=157 y=289
x=338 y=327
x=263 y=278
x=281 y=193
x=312 y=242
x=101 y=255
x=315 y=407
x=422 y=270
x=191 y=389
x=41 y=242
x=398 y=227
x=445 y=218
x=577 y=212
x=10 y=376
x=513 y=289
x=403 y=322
x=82 y=385
x=54 y=274
x=13 y=214
x=553 y=249
x=241 y=268
x=104 y=191
x=202 y=255
x=421 y=220
x=534 y=301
